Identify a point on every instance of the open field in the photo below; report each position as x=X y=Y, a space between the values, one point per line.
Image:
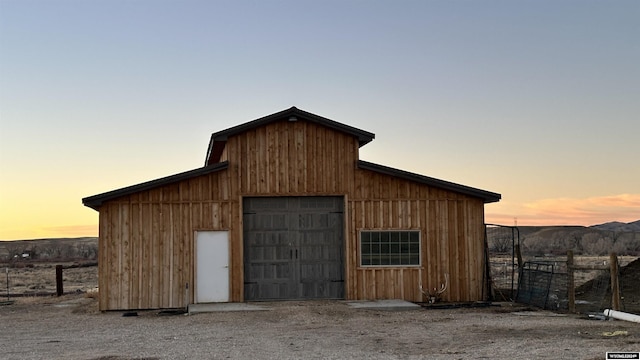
x=40 y=278
x=70 y=327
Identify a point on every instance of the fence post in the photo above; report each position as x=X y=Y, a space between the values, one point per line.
x=8 y=291
x=59 y=289
x=571 y=286
x=615 y=285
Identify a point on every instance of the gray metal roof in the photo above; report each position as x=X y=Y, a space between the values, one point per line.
x=487 y=196
x=95 y=201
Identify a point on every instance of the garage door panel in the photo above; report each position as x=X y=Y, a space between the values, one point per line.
x=320 y=290
x=297 y=244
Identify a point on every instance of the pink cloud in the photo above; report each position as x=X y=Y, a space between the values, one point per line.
x=72 y=230
x=571 y=211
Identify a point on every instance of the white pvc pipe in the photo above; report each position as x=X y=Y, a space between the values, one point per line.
x=622 y=315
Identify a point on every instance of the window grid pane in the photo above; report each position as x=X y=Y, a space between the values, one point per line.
x=389 y=248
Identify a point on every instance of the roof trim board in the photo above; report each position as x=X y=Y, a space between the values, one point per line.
x=487 y=196
x=219 y=139
x=96 y=201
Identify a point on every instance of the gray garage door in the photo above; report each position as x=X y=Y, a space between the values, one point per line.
x=293 y=248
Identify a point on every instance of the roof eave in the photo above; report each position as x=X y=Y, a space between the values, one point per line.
x=96 y=201
x=486 y=196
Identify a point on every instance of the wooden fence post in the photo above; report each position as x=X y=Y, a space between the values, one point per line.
x=519 y=256
x=615 y=285
x=8 y=290
x=571 y=286
x=59 y=289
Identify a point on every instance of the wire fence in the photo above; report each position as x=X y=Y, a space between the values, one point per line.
x=502 y=243
x=40 y=279
x=543 y=286
x=543 y=281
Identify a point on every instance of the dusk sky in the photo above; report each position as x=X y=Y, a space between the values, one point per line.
x=536 y=100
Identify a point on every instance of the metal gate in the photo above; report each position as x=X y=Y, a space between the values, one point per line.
x=293 y=248
x=534 y=284
x=540 y=285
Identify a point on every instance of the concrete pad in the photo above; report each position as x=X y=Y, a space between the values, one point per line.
x=215 y=307
x=391 y=305
x=538 y=313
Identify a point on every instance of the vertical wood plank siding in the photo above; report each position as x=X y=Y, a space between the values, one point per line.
x=147 y=239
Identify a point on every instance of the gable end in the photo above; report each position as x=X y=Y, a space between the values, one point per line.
x=219 y=139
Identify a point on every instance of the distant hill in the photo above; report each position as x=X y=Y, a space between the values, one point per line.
x=619 y=226
x=54 y=248
x=621 y=238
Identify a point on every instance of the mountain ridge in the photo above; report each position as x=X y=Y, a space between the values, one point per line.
x=618 y=226
x=602 y=239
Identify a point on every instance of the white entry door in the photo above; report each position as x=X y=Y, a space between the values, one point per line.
x=212 y=266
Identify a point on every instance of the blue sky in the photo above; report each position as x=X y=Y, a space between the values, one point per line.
x=536 y=100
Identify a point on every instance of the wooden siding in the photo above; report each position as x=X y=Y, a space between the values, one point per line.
x=285 y=158
x=147 y=242
x=452 y=232
x=147 y=239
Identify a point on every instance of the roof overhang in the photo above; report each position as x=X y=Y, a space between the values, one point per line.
x=486 y=196
x=219 y=139
x=96 y=201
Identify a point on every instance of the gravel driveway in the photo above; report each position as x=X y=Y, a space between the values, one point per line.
x=71 y=328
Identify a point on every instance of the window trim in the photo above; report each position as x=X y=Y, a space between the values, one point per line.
x=418 y=265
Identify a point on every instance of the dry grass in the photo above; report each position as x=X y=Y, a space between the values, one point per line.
x=40 y=278
x=43 y=300
x=501 y=267
x=32 y=300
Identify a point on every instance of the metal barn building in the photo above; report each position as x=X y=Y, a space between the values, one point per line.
x=284 y=209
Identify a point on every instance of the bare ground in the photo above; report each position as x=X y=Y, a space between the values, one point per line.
x=70 y=327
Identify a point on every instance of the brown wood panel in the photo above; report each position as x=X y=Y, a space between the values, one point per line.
x=125 y=253
x=115 y=256
x=103 y=258
x=147 y=249
x=224 y=156
x=252 y=163
x=453 y=253
x=262 y=162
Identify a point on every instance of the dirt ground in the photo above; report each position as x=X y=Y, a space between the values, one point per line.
x=70 y=327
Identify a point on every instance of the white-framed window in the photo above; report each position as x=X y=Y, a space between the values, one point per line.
x=389 y=247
